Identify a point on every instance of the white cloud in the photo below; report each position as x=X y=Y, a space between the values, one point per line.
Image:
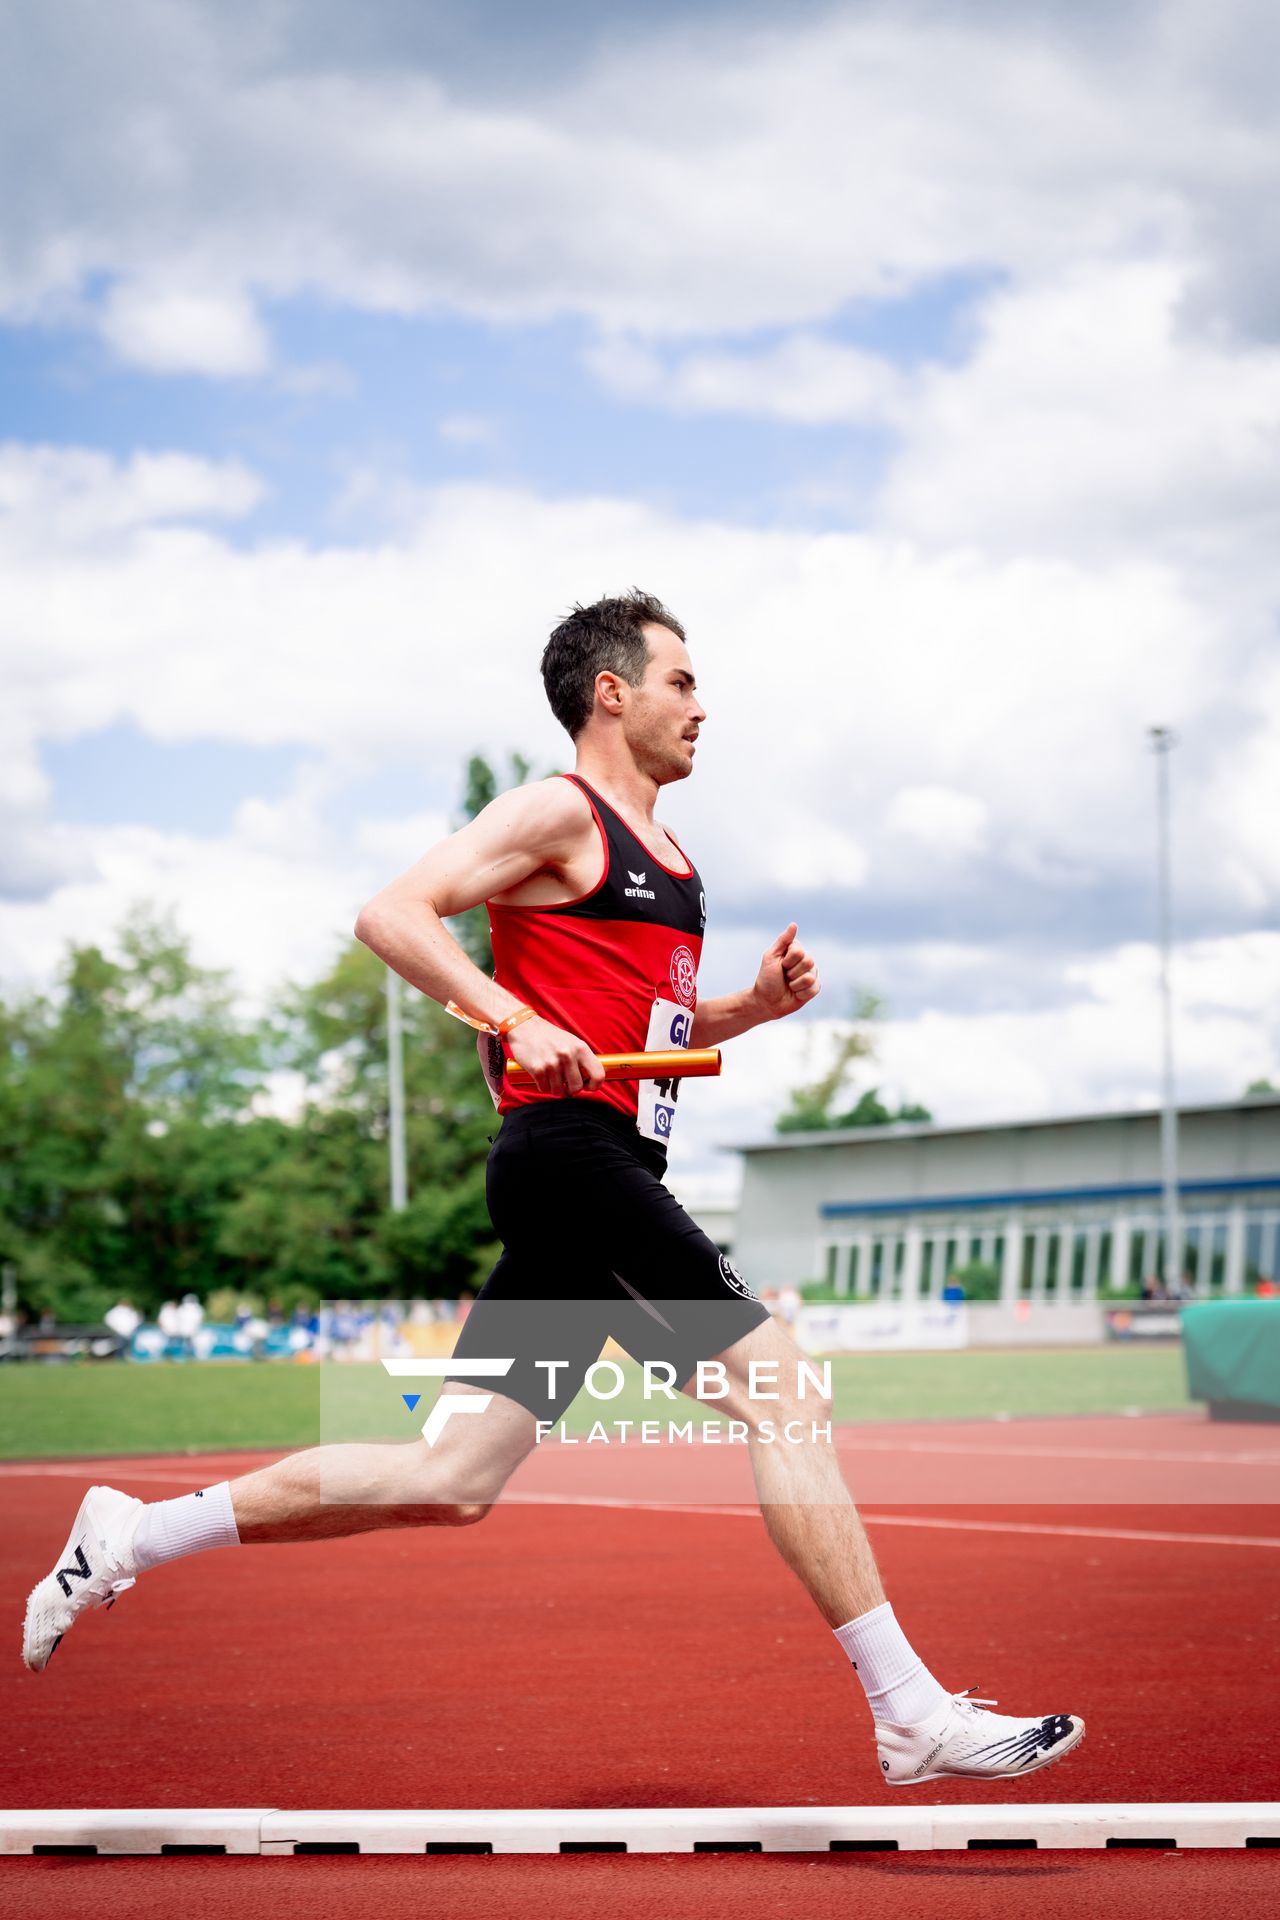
x=1100 y=1048
x=835 y=669
x=797 y=850
x=470 y=430
x=803 y=379
x=168 y=328
x=940 y=818
x=1086 y=420
x=318 y=377
x=852 y=155
x=925 y=737
x=1096 y=1049
x=832 y=664
x=63 y=498
x=847 y=659
x=1243 y=802
x=391 y=845
x=266 y=912
x=1209 y=977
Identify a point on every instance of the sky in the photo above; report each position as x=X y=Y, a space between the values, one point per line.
x=924 y=360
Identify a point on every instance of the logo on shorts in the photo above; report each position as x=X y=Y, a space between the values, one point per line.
x=638 y=891
x=732 y=1278
x=684 y=976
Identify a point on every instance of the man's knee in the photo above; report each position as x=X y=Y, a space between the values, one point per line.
x=445 y=1513
x=465 y=1513
x=780 y=1388
x=806 y=1420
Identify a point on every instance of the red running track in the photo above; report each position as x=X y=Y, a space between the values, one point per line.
x=580 y=1655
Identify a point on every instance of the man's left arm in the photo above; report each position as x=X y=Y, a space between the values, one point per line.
x=787 y=980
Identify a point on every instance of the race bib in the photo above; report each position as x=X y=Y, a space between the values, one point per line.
x=670 y=1025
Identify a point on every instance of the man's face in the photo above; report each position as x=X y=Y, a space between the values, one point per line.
x=662 y=715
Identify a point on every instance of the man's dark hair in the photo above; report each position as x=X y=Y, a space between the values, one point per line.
x=606 y=637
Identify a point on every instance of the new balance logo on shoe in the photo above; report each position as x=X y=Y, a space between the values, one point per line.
x=80 y=1571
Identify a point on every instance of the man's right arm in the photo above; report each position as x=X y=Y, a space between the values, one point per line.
x=516 y=835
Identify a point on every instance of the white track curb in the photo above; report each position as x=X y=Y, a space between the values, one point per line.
x=264 y=1830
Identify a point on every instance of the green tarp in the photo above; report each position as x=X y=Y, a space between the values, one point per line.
x=1233 y=1354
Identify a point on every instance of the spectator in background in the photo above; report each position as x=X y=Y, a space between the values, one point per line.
x=188 y=1320
x=123 y=1319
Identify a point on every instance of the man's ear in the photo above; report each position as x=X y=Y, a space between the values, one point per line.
x=609 y=691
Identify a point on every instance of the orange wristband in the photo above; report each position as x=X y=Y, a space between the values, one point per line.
x=514 y=1019
x=486 y=1026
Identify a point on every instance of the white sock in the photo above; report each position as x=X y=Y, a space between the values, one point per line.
x=168 y=1529
x=899 y=1687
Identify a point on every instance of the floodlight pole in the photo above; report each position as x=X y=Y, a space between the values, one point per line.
x=1163 y=741
x=395 y=1084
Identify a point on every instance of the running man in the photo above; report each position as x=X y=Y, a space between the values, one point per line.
x=597 y=918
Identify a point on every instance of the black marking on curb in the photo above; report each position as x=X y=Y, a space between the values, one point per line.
x=1263 y=1840
x=61 y=1846
x=193 y=1846
x=863 y=1846
x=1000 y=1846
x=728 y=1846
x=1127 y=1842
x=326 y=1846
x=459 y=1846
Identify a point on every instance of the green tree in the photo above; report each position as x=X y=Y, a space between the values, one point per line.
x=817 y=1106
x=136 y=1158
x=334 y=1033
x=471 y=930
x=99 y=1081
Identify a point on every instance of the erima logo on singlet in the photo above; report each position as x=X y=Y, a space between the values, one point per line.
x=639 y=891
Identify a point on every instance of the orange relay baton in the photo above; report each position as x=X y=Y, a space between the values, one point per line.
x=679 y=1063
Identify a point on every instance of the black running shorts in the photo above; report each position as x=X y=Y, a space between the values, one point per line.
x=593 y=1245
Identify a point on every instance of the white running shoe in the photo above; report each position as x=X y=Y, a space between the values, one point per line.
x=966 y=1742
x=95 y=1565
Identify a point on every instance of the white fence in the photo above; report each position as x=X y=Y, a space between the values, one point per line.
x=1048 y=1257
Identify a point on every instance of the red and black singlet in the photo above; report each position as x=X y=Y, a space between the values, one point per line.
x=617 y=967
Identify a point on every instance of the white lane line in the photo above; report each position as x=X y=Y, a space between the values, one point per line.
x=909 y=1520
x=91 y=1471
x=1117 y=1456
x=1073 y=1533
x=848 y=1440
x=933 y=1522
x=660 y=1830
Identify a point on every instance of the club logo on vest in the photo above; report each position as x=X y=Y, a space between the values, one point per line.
x=684 y=976
x=639 y=891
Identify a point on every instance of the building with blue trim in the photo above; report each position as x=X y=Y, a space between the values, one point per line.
x=1063 y=1209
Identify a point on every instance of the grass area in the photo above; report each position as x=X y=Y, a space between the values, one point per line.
x=84 y=1408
